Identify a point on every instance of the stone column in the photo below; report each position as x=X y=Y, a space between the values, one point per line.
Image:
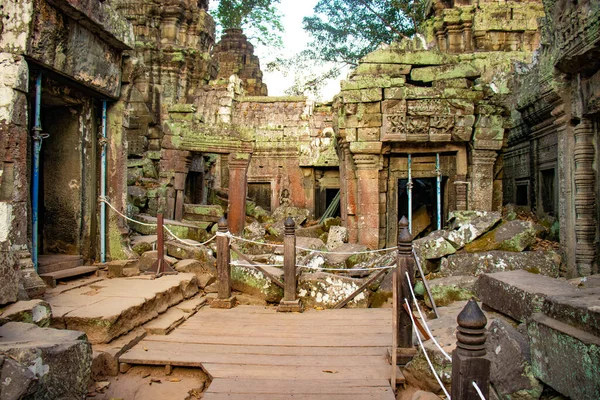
x=461 y=187
x=238 y=185
x=482 y=179
x=585 y=198
x=367 y=210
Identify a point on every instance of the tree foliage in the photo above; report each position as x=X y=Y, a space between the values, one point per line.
x=346 y=30
x=259 y=19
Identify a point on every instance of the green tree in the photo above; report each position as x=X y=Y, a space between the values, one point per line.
x=259 y=19
x=344 y=31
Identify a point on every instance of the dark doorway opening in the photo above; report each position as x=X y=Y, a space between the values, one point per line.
x=424 y=203
x=327 y=202
x=260 y=193
x=548 y=197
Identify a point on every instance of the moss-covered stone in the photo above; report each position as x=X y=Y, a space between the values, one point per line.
x=254 y=282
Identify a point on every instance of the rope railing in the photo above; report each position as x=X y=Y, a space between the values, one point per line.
x=478 y=390
x=437 y=378
x=345 y=269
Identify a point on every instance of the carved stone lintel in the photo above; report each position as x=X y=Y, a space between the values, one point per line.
x=585 y=197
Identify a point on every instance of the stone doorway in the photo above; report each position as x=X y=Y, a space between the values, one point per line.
x=424 y=203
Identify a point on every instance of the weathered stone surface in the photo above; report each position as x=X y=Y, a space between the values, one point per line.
x=113 y=307
x=299 y=215
x=433 y=246
x=511 y=236
x=253 y=282
x=137 y=196
x=254 y=231
x=182 y=251
x=539 y=262
x=33 y=311
x=429 y=74
x=519 y=294
x=565 y=357
x=510 y=373
x=148 y=259
x=581 y=310
x=450 y=289
x=116 y=268
x=338 y=235
x=106 y=356
x=197 y=212
x=19 y=381
x=60 y=360
x=205 y=272
x=467 y=226
x=180 y=229
x=348 y=254
x=422 y=395
x=309 y=243
x=325 y=290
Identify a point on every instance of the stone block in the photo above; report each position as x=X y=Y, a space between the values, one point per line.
x=204 y=271
x=440 y=72
x=253 y=282
x=396 y=56
x=36 y=312
x=519 y=294
x=325 y=290
x=538 y=262
x=510 y=356
x=362 y=95
x=60 y=360
x=392 y=70
x=116 y=268
x=338 y=235
x=433 y=246
x=182 y=251
x=580 y=310
x=514 y=235
x=564 y=357
x=197 y=212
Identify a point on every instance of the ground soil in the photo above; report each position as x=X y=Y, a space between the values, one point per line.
x=145 y=382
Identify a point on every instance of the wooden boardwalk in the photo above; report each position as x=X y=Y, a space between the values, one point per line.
x=257 y=353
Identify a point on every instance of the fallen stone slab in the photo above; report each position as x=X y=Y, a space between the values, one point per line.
x=182 y=251
x=510 y=355
x=564 y=357
x=581 y=309
x=433 y=246
x=148 y=259
x=540 y=262
x=321 y=289
x=514 y=235
x=33 y=311
x=199 y=212
x=59 y=360
x=448 y=290
x=519 y=294
x=180 y=229
x=121 y=268
x=348 y=254
x=113 y=307
x=253 y=282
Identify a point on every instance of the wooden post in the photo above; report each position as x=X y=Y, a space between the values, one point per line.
x=224 y=298
x=469 y=363
x=161 y=266
x=404 y=328
x=289 y=303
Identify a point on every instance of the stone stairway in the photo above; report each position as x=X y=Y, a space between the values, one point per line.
x=55 y=267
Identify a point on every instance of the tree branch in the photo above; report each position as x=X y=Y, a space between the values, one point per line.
x=364 y=3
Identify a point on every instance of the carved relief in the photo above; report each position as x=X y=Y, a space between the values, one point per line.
x=439 y=125
x=417 y=126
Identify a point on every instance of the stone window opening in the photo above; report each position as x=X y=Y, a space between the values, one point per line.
x=261 y=194
x=522 y=193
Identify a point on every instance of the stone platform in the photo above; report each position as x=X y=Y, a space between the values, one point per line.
x=106 y=309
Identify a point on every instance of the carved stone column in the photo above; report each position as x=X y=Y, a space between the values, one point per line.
x=482 y=179
x=585 y=197
x=238 y=185
x=367 y=210
x=461 y=188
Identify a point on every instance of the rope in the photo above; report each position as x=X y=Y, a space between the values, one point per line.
x=481 y=396
x=239 y=264
x=412 y=292
x=254 y=241
x=345 y=269
x=346 y=252
x=439 y=381
x=103 y=200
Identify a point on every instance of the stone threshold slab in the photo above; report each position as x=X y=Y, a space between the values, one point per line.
x=108 y=309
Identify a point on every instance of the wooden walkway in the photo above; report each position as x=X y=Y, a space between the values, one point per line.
x=257 y=353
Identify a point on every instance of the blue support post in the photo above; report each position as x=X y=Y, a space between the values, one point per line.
x=409 y=187
x=103 y=169
x=37 y=146
x=438 y=173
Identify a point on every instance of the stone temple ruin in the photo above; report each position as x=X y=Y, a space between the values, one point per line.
x=134 y=108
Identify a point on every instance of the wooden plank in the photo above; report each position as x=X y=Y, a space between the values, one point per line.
x=267 y=274
x=383 y=395
x=320 y=341
x=284 y=331
x=295 y=386
x=179 y=358
x=195 y=348
x=290 y=372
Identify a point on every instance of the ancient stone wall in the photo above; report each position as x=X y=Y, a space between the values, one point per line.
x=411 y=99
x=558 y=113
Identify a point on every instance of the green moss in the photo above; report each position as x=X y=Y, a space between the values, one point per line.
x=445 y=295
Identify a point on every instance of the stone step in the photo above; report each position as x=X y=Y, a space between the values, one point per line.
x=58 y=262
x=109 y=309
x=174 y=316
x=50 y=278
x=181 y=229
x=518 y=293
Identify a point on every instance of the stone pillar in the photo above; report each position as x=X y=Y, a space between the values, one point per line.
x=461 y=187
x=16 y=267
x=585 y=198
x=367 y=210
x=348 y=192
x=482 y=179
x=238 y=185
